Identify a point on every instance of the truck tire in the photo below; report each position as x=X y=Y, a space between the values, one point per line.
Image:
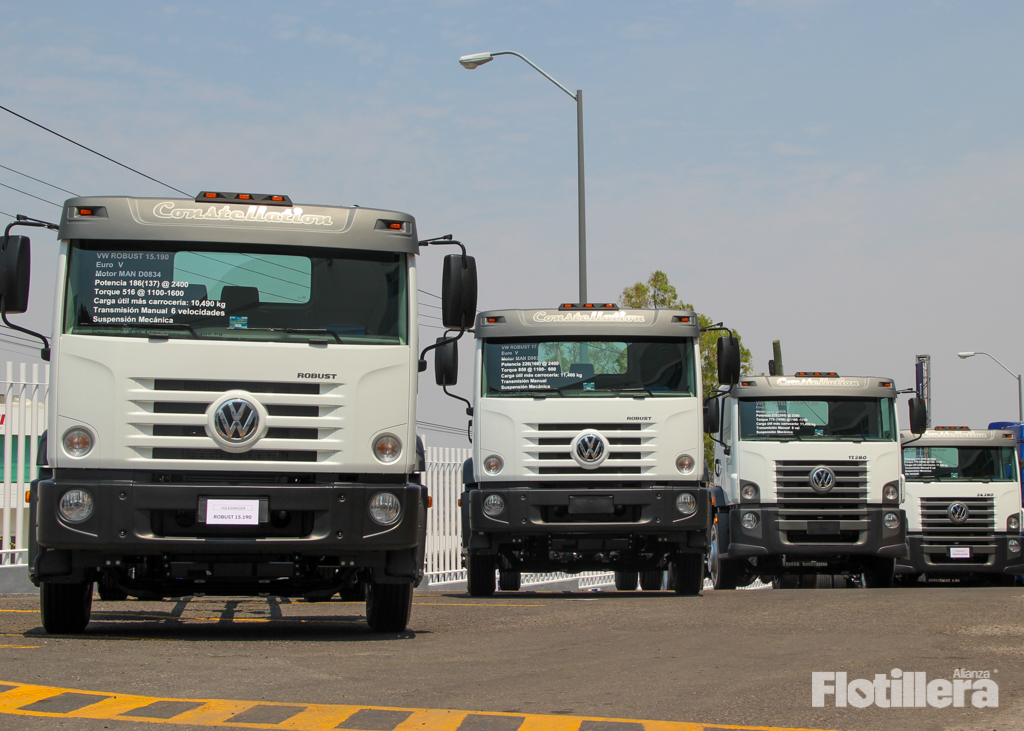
x=65 y=607
x=480 y=575
x=689 y=574
x=626 y=580
x=879 y=573
x=388 y=606
x=652 y=580
x=785 y=581
x=509 y=580
x=723 y=572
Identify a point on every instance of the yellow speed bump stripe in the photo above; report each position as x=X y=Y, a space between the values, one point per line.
x=37 y=700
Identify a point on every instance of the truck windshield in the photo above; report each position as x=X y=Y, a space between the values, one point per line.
x=226 y=292
x=830 y=419
x=575 y=368
x=927 y=464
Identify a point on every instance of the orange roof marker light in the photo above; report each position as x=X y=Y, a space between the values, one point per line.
x=260 y=199
x=952 y=428
x=816 y=373
x=588 y=306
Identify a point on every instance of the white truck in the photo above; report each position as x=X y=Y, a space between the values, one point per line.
x=232 y=403
x=808 y=481
x=963 y=506
x=588 y=447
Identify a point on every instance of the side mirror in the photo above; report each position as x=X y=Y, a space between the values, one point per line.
x=728 y=361
x=458 y=291
x=712 y=415
x=15 y=269
x=918 y=416
x=446 y=363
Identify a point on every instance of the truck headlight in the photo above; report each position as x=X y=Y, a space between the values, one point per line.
x=749 y=520
x=891 y=520
x=387 y=448
x=1013 y=523
x=685 y=463
x=749 y=491
x=686 y=503
x=76 y=505
x=493 y=464
x=385 y=508
x=78 y=441
x=494 y=505
x=1013 y=545
x=891 y=492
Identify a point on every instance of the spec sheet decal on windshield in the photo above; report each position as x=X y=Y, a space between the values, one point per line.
x=137 y=287
x=594 y=316
x=521 y=370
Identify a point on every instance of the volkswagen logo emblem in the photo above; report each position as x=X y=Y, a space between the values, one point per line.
x=237 y=420
x=590 y=448
x=822 y=479
x=958 y=512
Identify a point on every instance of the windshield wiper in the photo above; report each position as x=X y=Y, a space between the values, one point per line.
x=176 y=326
x=299 y=331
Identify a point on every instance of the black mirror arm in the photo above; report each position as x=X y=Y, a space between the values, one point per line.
x=447 y=240
x=423 y=354
x=469 y=406
x=45 y=352
x=21 y=220
x=716 y=326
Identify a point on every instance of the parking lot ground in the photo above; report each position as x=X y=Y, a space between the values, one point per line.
x=515 y=662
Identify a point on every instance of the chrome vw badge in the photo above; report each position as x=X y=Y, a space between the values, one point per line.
x=237 y=420
x=822 y=479
x=958 y=512
x=589 y=449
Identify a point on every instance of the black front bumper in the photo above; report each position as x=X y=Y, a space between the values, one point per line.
x=767 y=538
x=993 y=559
x=133 y=518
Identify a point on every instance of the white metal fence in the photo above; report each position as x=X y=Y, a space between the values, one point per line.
x=24 y=396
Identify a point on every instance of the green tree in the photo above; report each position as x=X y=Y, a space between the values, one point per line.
x=658 y=293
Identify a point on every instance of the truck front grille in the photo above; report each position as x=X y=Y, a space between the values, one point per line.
x=941 y=533
x=837 y=516
x=631 y=448
x=169 y=418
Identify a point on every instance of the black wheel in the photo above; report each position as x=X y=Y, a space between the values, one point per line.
x=509 y=579
x=652 y=580
x=688 y=569
x=626 y=580
x=388 y=606
x=480 y=575
x=355 y=593
x=65 y=607
x=879 y=573
x=724 y=573
x=786 y=581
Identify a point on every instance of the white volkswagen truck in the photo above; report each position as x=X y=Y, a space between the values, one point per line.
x=233 y=404
x=808 y=482
x=587 y=446
x=963 y=506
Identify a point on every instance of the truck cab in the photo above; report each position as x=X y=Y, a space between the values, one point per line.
x=587 y=447
x=808 y=485
x=963 y=506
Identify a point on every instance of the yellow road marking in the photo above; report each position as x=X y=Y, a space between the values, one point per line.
x=21 y=647
x=307 y=717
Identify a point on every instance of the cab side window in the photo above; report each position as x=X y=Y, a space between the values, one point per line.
x=726 y=435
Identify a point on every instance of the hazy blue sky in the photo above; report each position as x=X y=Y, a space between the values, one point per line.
x=844 y=176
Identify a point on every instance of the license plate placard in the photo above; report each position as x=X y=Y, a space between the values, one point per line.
x=597 y=505
x=959 y=551
x=221 y=511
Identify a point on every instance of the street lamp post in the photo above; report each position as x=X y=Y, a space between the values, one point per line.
x=478 y=59
x=1020 y=389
